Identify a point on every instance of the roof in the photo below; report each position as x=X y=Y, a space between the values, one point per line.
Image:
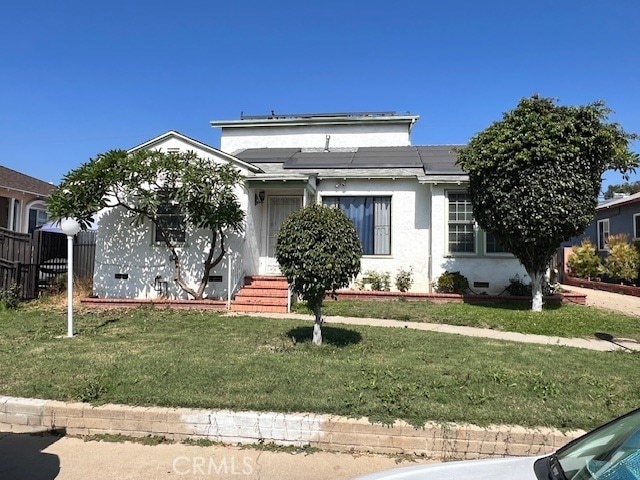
x=618 y=202
x=347 y=118
x=404 y=160
x=195 y=143
x=17 y=181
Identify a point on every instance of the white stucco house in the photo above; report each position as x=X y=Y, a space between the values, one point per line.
x=408 y=203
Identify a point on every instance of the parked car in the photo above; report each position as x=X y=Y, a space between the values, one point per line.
x=610 y=452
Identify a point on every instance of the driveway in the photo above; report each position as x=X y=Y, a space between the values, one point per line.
x=616 y=302
x=47 y=457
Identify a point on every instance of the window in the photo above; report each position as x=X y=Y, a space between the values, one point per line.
x=636 y=226
x=170 y=223
x=603 y=233
x=37 y=218
x=462 y=237
x=372 y=218
x=493 y=245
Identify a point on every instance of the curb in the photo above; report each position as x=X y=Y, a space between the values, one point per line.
x=433 y=440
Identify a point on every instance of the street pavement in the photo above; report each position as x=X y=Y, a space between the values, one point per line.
x=48 y=457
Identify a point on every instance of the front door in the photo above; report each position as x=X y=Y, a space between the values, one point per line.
x=279 y=209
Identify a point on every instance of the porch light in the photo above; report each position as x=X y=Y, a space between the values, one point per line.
x=70 y=227
x=259 y=198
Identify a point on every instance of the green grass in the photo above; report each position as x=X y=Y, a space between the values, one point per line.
x=203 y=360
x=563 y=321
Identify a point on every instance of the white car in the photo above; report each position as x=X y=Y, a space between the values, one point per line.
x=610 y=452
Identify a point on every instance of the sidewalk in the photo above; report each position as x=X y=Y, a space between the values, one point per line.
x=590 y=344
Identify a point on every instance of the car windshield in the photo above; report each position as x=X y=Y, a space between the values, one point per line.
x=611 y=452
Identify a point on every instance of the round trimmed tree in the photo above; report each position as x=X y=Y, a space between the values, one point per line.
x=535 y=176
x=319 y=251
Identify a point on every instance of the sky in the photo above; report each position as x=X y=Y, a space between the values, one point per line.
x=78 y=78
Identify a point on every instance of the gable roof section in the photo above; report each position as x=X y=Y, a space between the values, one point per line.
x=13 y=180
x=431 y=159
x=618 y=202
x=197 y=144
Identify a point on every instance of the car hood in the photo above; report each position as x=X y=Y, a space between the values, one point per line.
x=520 y=468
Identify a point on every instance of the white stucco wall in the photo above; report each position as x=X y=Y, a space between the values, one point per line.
x=409 y=225
x=125 y=248
x=314 y=136
x=494 y=269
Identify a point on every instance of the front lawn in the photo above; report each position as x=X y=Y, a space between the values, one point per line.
x=165 y=358
x=563 y=321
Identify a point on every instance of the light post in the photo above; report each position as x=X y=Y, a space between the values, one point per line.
x=70 y=227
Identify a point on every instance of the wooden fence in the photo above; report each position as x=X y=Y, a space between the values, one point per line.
x=31 y=262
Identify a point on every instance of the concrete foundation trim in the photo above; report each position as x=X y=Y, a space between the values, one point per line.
x=433 y=440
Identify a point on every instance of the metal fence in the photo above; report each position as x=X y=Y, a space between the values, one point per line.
x=32 y=262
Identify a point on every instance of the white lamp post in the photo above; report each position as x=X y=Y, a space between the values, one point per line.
x=70 y=227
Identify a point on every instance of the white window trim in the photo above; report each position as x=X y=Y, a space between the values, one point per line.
x=604 y=221
x=636 y=232
x=476 y=230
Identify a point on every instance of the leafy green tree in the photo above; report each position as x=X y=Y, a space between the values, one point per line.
x=319 y=251
x=623 y=260
x=629 y=188
x=584 y=262
x=535 y=176
x=144 y=183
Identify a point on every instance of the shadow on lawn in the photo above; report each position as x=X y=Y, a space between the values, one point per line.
x=338 y=337
x=512 y=306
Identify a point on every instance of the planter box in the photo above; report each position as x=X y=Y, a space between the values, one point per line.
x=607 y=287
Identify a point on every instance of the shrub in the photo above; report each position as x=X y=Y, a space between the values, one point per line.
x=452 y=282
x=518 y=288
x=404 y=279
x=584 y=262
x=10 y=298
x=380 y=282
x=623 y=260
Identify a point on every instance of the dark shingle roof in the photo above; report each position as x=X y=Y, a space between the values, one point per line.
x=431 y=158
x=24 y=183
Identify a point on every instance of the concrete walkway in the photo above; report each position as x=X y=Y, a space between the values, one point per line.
x=615 y=302
x=590 y=344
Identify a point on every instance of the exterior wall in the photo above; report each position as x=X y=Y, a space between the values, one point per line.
x=314 y=136
x=25 y=202
x=125 y=248
x=409 y=225
x=495 y=269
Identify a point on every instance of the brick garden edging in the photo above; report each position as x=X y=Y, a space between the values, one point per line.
x=433 y=440
x=604 y=286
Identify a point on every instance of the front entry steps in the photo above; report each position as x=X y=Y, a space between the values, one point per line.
x=262 y=293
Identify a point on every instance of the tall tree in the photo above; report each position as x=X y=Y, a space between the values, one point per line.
x=628 y=188
x=319 y=251
x=148 y=185
x=535 y=176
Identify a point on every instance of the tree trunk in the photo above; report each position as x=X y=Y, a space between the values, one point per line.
x=536 y=291
x=317 y=331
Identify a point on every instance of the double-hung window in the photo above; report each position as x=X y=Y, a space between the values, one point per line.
x=372 y=218
x=170 y=222
x=462 y=236
x=603 y=233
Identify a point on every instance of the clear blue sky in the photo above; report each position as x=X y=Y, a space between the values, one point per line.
x=79 y=77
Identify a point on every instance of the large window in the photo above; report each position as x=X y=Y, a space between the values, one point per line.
x=170 y=224
x=603 y=233
x=372 y=219
x=636 y=226
x=462 y=237
x=37 y=218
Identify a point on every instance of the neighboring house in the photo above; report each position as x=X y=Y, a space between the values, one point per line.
x=409 y=204
x=613 y=217
x=22 y=201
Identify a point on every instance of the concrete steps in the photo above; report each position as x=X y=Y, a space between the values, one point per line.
x=262 y=294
